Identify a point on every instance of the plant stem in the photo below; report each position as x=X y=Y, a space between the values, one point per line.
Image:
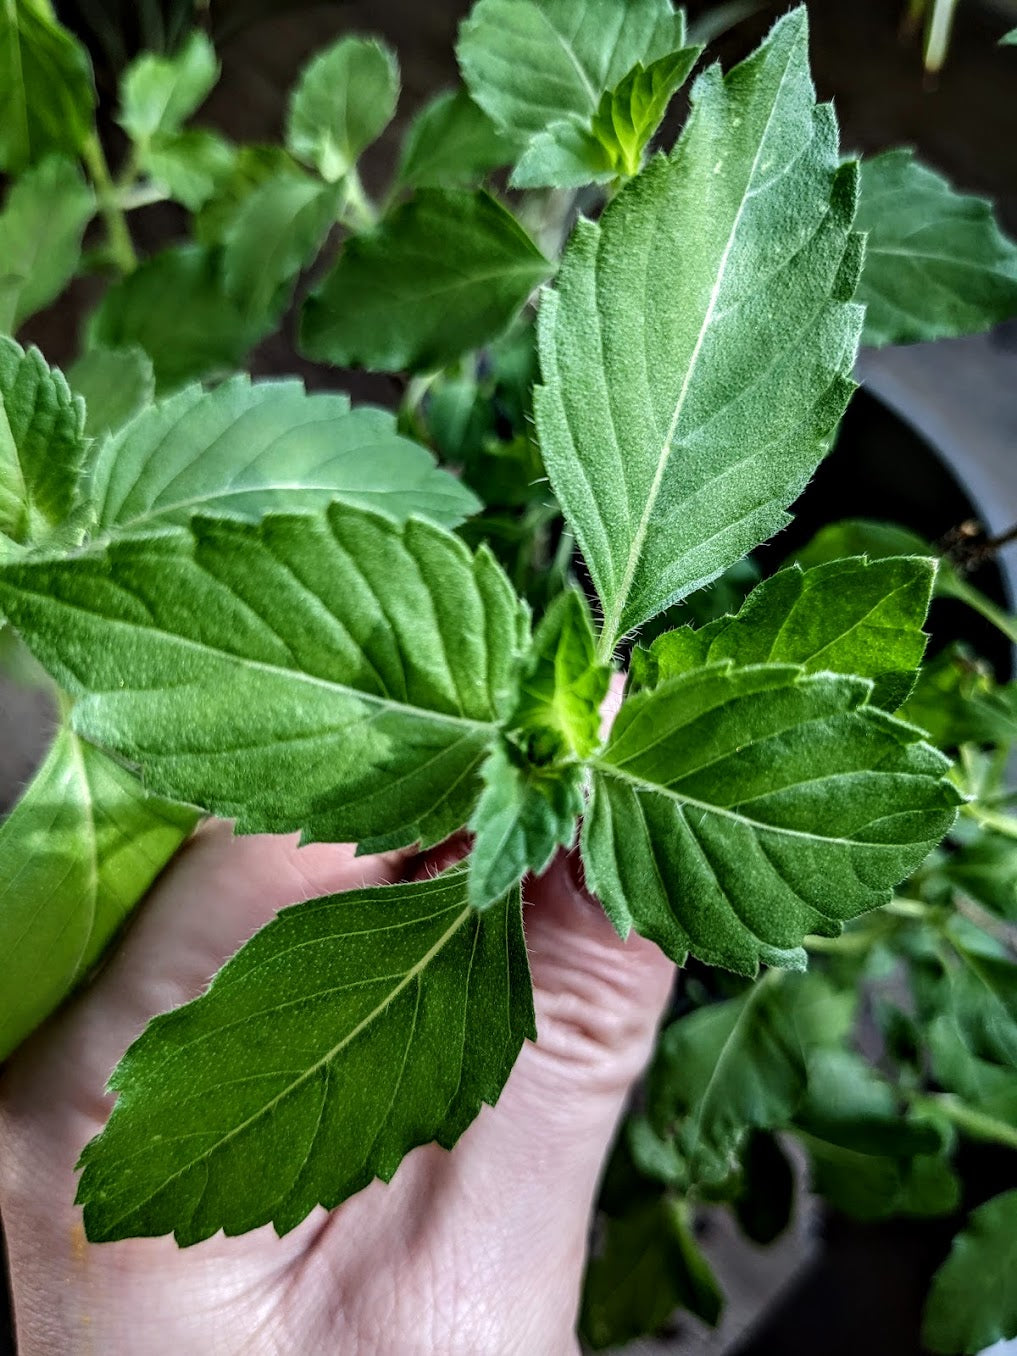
x=121 y=247
x=968 y=1119
x=362 y=213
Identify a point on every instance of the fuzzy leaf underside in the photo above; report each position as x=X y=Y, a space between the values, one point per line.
x=528 y=64
x=672 y=447
x=936 y=263
x=78 y=851
x=337 y=674
x=349 y=1030
x=248 y=448
x=442 y=273
x=728 y=801
x=852 y=616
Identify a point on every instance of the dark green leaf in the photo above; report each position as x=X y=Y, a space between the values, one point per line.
x=192 y=165
x=41 y=227
x=46 y=91
x=728 y=799
x=244 y=450
x=851 y=616
x=671 y=448
x=338 y=674
x=650 y=1266
x=936 y=263
x=973 y=1300
x=875 y=1186
x=452 y=143
x=848 y=1104
x=42 y=450
x=176 y=308
x=988 y=1086
x=957 y=700
x=253 y=165
x=986 y=870
x=115 y=384
x=353 y=1028
x=77 y=853
x=344 y=100
x=158 y=94
x=444 y=273
x=766 y=1198
x=528 y=63
x=276 y=232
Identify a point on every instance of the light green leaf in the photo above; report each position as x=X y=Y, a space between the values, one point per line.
x=115 y=384
x=936 y=263
x=41 y=227
x=42 y=449
x=244 y=450
x=672 y=449
x=849 y=1105
x=339 y=674
x=973 y=1300
x=276 y=232
x=850 y=616
x=611 y=143
x=728 y=799
x=985 y=1001
x=535 y=780
x=46 y=90
x=158 y=94
x=650 y=1265
x=452 y=143
x=253 y=165
x=986 y=870
x=344 y=100
x=988 y=1086
x=353 y=1027
x=176 y=308
x=77 y=853
x=192 y=165
x=444 y=273
x=528 y=63
x=1009 y=39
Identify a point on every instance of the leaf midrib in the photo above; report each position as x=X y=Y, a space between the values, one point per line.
x=409 y=976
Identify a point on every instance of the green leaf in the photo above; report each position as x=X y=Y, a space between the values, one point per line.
x=176 y=308
x=611 y=143
x=444 y=273
x=986 y=870
x=871 y=1187
x=41 y=227
x=936 y=263
x=985 y=1001
x=192 y=165
x=650 y=1265
x=115 y=384
x=244 y=450
x=46 y=90
x=671 y=448
x=158 y=94
x=252 y=166
x=535 y=780
x=42 y=449
x=848 y=1104
x=339 y=674
x=344 y=100
x=77 y=853
x=528 y=63
x=276 y=232
x=728 y=799
x=1009 y=39
x=973 y=1300
x=988 y=1086
x=957 y=701
x=851 y=616
x=452 y=143
x=353 y=1027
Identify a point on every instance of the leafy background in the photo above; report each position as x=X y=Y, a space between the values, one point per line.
x=876 y=85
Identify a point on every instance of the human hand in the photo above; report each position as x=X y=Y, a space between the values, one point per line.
x=478 y=1251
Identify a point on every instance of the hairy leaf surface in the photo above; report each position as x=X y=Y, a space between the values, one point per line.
x=337 y=674
x=443 y=273
x=452 y=143
x=973 y=1301
x=41 y=227
x=247 y=449
x=850 y=616
x=349 y=1030
x=77 y=853
x=530 y=63
x=936 y=263
x=671 y=445
x=42 y=448
x=728 y=799
x=46 y=89
x=344 y=99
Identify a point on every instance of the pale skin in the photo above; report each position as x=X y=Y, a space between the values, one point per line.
x=476 y=1252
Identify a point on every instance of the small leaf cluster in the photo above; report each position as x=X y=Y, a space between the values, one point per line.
x=298 y=614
